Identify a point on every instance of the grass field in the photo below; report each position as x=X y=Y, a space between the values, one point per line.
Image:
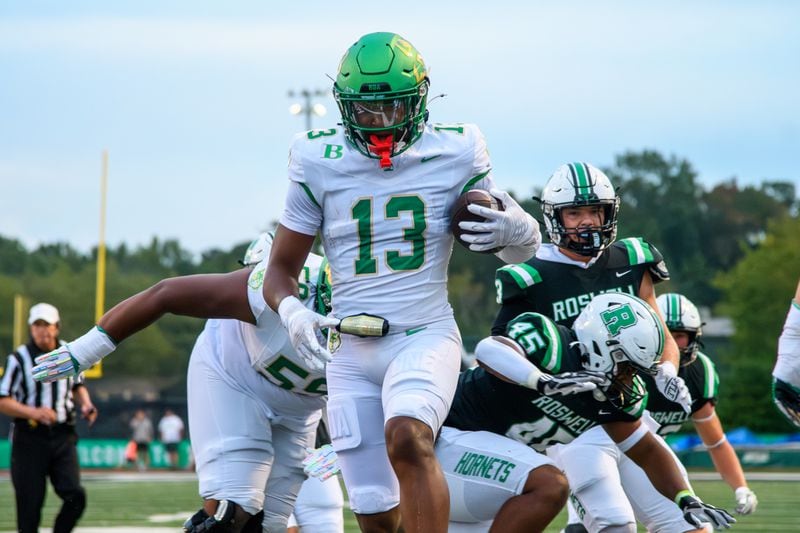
x=135 y=503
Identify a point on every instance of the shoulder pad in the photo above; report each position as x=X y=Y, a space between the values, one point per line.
x=641 y=252
x=512 y=280
x=540 y=338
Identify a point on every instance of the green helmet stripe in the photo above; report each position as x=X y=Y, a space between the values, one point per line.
x=674 y=309
x=580 y=177
x=552 y=359
x=524 y=274
x=474 y=180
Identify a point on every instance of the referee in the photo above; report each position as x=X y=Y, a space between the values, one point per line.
x=44 y=439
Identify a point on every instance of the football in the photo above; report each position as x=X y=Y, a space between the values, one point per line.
x=460 y=213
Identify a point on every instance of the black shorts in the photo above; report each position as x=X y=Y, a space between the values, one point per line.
x=171 y=446
x=142 y=446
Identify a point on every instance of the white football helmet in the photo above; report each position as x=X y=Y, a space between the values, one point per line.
x=681 y=314
x=619 y=334
x=577 y=185
x=258 y=249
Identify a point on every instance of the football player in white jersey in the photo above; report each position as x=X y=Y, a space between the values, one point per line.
x=786 y=374
x=254 y=403
x=379 y=190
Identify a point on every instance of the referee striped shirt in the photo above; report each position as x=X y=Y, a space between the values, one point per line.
x=17 y=382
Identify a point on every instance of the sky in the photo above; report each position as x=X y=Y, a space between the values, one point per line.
x=191 y=99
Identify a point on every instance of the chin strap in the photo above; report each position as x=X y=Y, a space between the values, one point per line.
x=382 y=147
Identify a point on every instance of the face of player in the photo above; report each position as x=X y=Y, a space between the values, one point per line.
x=45 y=335
x=380 y=114
x=681 y=338
x=582 y=218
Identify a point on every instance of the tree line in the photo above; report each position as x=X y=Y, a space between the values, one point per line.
x=730 y=248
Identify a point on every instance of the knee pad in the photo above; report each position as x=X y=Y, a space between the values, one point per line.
x=372 y=500
x=343 y=424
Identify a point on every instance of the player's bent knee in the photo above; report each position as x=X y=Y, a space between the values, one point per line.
x=408 y=439
x=549 y=485
x=368 y=500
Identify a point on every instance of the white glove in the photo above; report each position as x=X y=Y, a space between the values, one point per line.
x=673 y=387
x=698 y=513
x=75 y=357
x=55 y=365
x=510 y=227
x=301 y=323
x=566 y=383
x=746 y=501
x=321 y=463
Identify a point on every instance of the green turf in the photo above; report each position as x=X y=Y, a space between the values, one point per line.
x=130 y=503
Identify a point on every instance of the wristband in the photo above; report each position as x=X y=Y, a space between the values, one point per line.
x=682 y=494
x=668 y=369
x=91 y=348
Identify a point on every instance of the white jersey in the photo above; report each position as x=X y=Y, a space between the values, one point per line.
x=787 y=367
x=386 y=233
x=267 y=343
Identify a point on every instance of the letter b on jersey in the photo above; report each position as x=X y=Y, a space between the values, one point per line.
x=333 y=151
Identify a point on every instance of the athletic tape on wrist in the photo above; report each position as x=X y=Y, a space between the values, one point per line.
x=91 y=347
x=682 y=494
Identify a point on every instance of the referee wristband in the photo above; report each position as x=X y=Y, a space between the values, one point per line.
x=91 y=348
x=682 y=494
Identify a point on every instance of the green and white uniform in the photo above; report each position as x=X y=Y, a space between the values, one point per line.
x=386 y=234
x=254 y=406
x=487 y=447
x=485 y=402
x=607 y=488
x=703 y=381
x=558 y=287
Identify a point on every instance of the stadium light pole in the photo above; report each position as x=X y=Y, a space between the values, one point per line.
x=306 y=107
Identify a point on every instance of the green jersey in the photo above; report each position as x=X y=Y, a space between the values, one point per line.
x=561 y=290
x=703 y=382
x=485 y=402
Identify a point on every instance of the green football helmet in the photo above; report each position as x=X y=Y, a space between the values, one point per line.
x=381 y=89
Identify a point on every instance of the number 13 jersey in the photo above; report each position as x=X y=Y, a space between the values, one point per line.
x=385 y=233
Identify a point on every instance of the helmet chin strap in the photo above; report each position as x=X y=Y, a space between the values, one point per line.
x=382 y=147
